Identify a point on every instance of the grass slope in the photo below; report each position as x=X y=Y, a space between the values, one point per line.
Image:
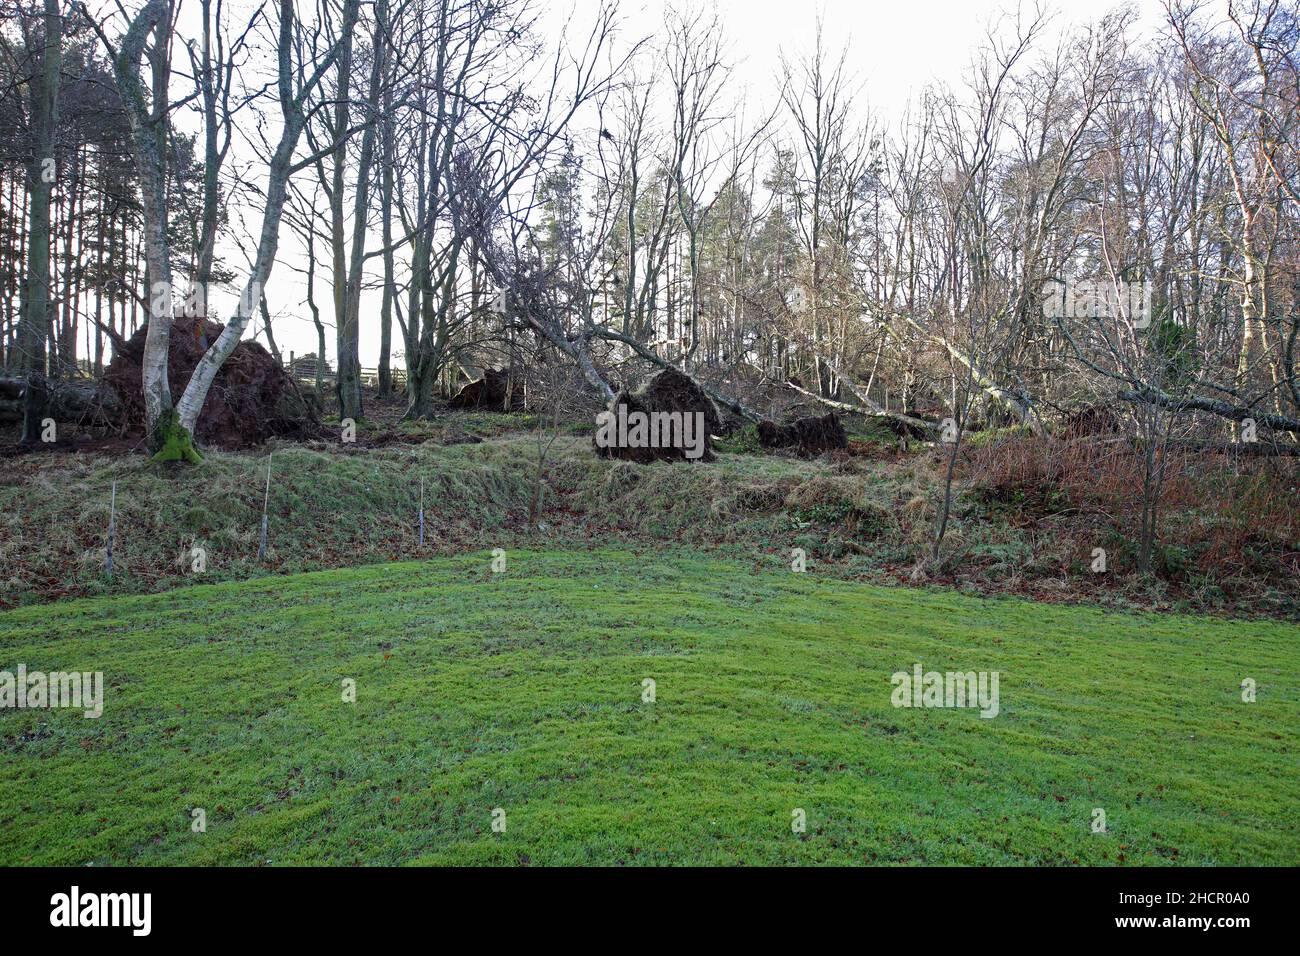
x=866 y=518
x=523 y=691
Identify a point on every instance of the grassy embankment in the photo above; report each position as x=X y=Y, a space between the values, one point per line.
x=1228 y=541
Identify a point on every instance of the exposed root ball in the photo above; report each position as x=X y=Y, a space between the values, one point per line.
x=808 y=436
x=904 y=429
x=251 y=399
x=1092 y=420
x=666 y=391
x=489 y=392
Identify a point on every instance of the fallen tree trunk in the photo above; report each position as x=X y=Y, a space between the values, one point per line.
x=1142 y=393
x=577 y=350
x=920 y=426
x=1255 y=449
x=1021 y=405
x=32 y=400
x=1237 y=413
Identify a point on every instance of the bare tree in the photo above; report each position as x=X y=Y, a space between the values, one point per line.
x=299 y=71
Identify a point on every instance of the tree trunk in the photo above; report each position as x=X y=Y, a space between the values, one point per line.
x=281 y=167
x=347 y=384
x=147 y=145
x=361 y=208
x=34 y=320
x=390 y=285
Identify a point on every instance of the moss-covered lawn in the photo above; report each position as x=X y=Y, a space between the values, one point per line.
x=523 y=691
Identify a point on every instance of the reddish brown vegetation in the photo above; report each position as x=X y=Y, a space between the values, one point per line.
x=1224 y=523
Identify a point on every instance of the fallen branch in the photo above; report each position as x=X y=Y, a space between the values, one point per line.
x=721 y=398
x=1237 y=413
x=577 y=349
x=871 y=411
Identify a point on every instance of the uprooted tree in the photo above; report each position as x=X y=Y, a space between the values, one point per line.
x=299 y=69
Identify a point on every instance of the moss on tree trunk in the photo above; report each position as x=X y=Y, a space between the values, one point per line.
x=172 y=440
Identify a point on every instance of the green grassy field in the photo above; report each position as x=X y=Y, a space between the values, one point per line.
x=523 y=691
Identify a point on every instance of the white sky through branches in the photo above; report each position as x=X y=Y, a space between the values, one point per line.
x=895 y=49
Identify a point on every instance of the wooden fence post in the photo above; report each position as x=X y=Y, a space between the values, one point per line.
x=266 y=499
x=112 y=527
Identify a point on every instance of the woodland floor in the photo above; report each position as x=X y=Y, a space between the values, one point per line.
x=523 y=691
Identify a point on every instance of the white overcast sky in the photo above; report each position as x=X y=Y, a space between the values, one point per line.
x=897 y=46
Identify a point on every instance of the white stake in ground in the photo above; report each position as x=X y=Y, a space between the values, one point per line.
x=266 y=499
x=112 y=528
x=422 y=511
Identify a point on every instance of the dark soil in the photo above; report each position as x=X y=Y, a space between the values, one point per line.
x=490 y=392
x=809 y=437
x=1091 y=421
x=666 y=391
x=251 y=399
